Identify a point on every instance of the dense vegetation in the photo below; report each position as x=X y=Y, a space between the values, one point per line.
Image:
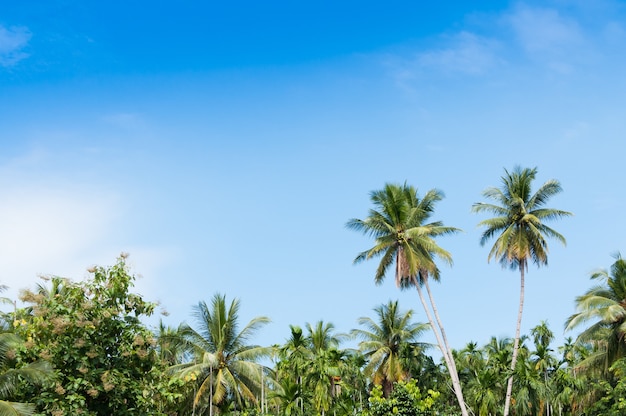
x=83 y=348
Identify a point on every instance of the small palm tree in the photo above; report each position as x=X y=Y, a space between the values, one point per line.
x=6 y=319
x=322 y=337
x=481 y=379
x=294 y=359
x=603 y=305
x=529 y=385
x=573 y=390
x=293 y=356
x=224 y=364
x=289 y=397
x=35 y=373
x=383 y=343
x=326 y=365
x=520 y=233
x=481 y=373
x=325 y=371
x=544 y=362
x=404 y=237
x=172 y=347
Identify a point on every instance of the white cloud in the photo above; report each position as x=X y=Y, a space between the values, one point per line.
x=54 y=222
x=614 y=33
x=545 y=36
x=125 y=120
x=50 y=231
x=12 y=42
x=544 y=30
x=466 y=52
x=62 y=231
x=548 y=36
x=463 y=53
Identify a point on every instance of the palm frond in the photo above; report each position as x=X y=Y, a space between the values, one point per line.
x=518 y=226
x=399 y=224
x=16 y=409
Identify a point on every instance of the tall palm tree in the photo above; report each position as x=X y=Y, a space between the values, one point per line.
x=520 y=233
x=224 y=364
x=383 y=343
x=404 y=238
x=605 y=306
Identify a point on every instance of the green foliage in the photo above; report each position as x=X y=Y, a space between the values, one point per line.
x=406 y=399
x=223 y=368
x=519 y=225
x=315 y=377
x=403 y=235
x=602 y=309
x=15 y=375
x=520 y=233
x=103 y=355
x=390 y=344
x=613 y=390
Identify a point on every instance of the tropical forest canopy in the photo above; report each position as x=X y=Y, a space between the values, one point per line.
x=85 y=347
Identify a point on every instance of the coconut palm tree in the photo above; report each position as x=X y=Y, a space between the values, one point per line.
x=603 y=305
x=224 y=365
x=289 y=397
x=404 y=238
x=520 y=233
x=383 y=343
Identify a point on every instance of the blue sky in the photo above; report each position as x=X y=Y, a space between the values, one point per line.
x=225 y=147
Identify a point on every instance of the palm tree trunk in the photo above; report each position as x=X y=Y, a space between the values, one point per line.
x=509 y=385
x=453 y=371
x=456 y=385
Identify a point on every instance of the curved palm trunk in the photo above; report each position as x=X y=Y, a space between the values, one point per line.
x=453 y=370
x=456 y=385
x=509 y=385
